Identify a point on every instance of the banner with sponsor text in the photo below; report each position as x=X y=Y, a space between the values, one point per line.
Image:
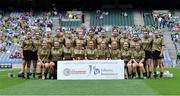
x=90 y=69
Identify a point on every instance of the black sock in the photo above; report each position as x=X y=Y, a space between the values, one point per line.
x=145 y=74
x=39 y=75
x=34 y=75
x=139 y=74
x=149 y=76
x=55 y=76
x=129 y=76
x=134 y=75
x=45 y=75
x=155 y=75
x=23 y=75
x=161 y=74
x=51 y=75
x=28 y=75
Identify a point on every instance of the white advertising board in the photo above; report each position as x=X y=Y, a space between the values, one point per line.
x=90 y=69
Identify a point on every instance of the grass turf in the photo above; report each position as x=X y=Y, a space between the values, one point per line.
x=17 y=86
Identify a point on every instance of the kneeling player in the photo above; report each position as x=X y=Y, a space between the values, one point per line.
x=138 y=56
x=56 y=55
x=43 y=61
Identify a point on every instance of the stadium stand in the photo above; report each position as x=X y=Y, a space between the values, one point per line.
x=148 y=18
x=113 y=17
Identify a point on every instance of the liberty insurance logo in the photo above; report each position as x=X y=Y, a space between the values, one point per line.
x=67 y=72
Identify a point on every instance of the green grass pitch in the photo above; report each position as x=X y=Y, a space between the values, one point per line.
x=18 y=86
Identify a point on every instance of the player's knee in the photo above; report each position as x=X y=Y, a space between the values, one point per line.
x=129 y=65
x=39 y=64
x=46 y=65
x=141 y=65
x=51 y=64
x=134 y=65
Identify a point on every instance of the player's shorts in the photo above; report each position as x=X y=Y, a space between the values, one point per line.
x=148 y=55
x=27 y=54
x=156 y=55
x=34 y=56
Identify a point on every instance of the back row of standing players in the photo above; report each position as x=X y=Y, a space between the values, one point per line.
x=141 y=55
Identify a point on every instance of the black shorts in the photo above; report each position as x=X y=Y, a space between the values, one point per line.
x=156 y=55
x=27 y=54
x=34 y=56
x=148 y=55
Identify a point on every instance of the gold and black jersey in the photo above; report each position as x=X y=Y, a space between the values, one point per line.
x=157 y=44
x=67 y=53
x=78 y=54
x=115 y=54
x=138 y=55
x=103 y=54
x=91 y=54
x=126 y=54
x=44 y=54
x=27 y=44
x=56 y=54
x=36 y=44
x=147 y=44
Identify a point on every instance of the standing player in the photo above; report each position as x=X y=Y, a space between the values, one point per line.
x=49 y=40
x=125 y=38
x=69 y=37
x=135 y=40
x=37 y=44
x=59 y=38
x=158 y=48
x=27 y=47
x=91 y=37
x=147 y=47
x=115 y=36
x=81 y=39
x=103 y=38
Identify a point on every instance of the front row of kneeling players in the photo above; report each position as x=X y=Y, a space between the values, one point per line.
x=138 y=60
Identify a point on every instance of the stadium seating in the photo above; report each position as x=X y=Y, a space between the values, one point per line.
x=37 y=14
x=113 y=17
x=5 y=55
x=148 y=18
x=15 y=14
x=70 y=23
